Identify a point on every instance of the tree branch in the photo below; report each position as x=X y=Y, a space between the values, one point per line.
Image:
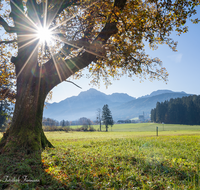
x=111 y=27
x=7 y=93
x=57 y=70
x=57 y=6
x=73 y=83
x=8 y=42
x=17 y=11
x=35 y=10
x=7 y=28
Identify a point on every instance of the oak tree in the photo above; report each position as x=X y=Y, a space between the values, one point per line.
x=49 y=41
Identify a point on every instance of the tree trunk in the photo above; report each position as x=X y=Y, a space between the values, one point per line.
x=26 y=133
x=106 y=128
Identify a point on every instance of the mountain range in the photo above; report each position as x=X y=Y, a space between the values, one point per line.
x=122 y=105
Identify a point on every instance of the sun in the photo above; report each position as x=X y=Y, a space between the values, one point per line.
x=44 y=34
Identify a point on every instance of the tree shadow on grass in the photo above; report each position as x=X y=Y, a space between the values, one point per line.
x=20 y=171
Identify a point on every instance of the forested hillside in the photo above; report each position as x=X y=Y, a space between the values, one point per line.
x=185 y=110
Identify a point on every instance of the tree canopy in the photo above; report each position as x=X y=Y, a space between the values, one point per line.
x=7 y=78
x=107 y=36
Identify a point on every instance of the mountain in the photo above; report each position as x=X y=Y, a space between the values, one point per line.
x=84 y=105
x=120 y=97
x=121 y=105
x=158 y=92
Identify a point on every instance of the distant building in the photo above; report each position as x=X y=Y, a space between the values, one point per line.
x=141 y=117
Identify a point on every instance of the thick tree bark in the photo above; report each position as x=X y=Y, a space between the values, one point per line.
x=26 y=133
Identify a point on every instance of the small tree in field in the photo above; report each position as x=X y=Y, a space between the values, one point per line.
x=99 y=118
x=107 y=116
x=49 y=41
x=62 y=123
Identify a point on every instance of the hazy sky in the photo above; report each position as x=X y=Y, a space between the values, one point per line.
x=183 y=68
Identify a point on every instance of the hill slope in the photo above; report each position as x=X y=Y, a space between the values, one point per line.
x=137 y=107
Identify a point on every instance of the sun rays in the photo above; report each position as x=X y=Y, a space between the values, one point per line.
x=44 y=34
x=49 y=36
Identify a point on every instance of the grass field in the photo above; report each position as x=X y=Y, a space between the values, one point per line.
x=134 y=158
x=141 y=127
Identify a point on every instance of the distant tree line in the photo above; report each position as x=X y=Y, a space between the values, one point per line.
x=185 y=110
x=53 y=125
x=66 y=123
x=50 y=122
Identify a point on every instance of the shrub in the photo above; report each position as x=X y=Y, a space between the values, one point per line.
x=55 y=128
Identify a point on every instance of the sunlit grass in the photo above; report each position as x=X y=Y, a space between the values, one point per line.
x=139 y=127
x=122 y=161
x=118 y=160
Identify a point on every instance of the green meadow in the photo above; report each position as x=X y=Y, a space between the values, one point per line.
x=147 y=127
x=130 y=156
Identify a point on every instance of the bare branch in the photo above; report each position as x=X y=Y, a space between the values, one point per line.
x=54 y=5
x=7 y=28
x=7 y=93
x=8 y=42
x=73 y=83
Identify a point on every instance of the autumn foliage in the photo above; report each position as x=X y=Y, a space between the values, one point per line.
x=112 y=32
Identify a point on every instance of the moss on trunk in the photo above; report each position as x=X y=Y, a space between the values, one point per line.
x=26 y=133
x=26 y=141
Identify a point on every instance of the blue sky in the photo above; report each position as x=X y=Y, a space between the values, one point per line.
x=183 y=68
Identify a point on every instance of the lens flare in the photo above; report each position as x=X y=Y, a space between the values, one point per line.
x=44 y=34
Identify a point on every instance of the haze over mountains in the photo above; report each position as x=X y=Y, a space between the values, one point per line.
x=122 y=105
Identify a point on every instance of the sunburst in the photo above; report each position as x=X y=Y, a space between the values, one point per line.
x=49 y=42
x=44 y=35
